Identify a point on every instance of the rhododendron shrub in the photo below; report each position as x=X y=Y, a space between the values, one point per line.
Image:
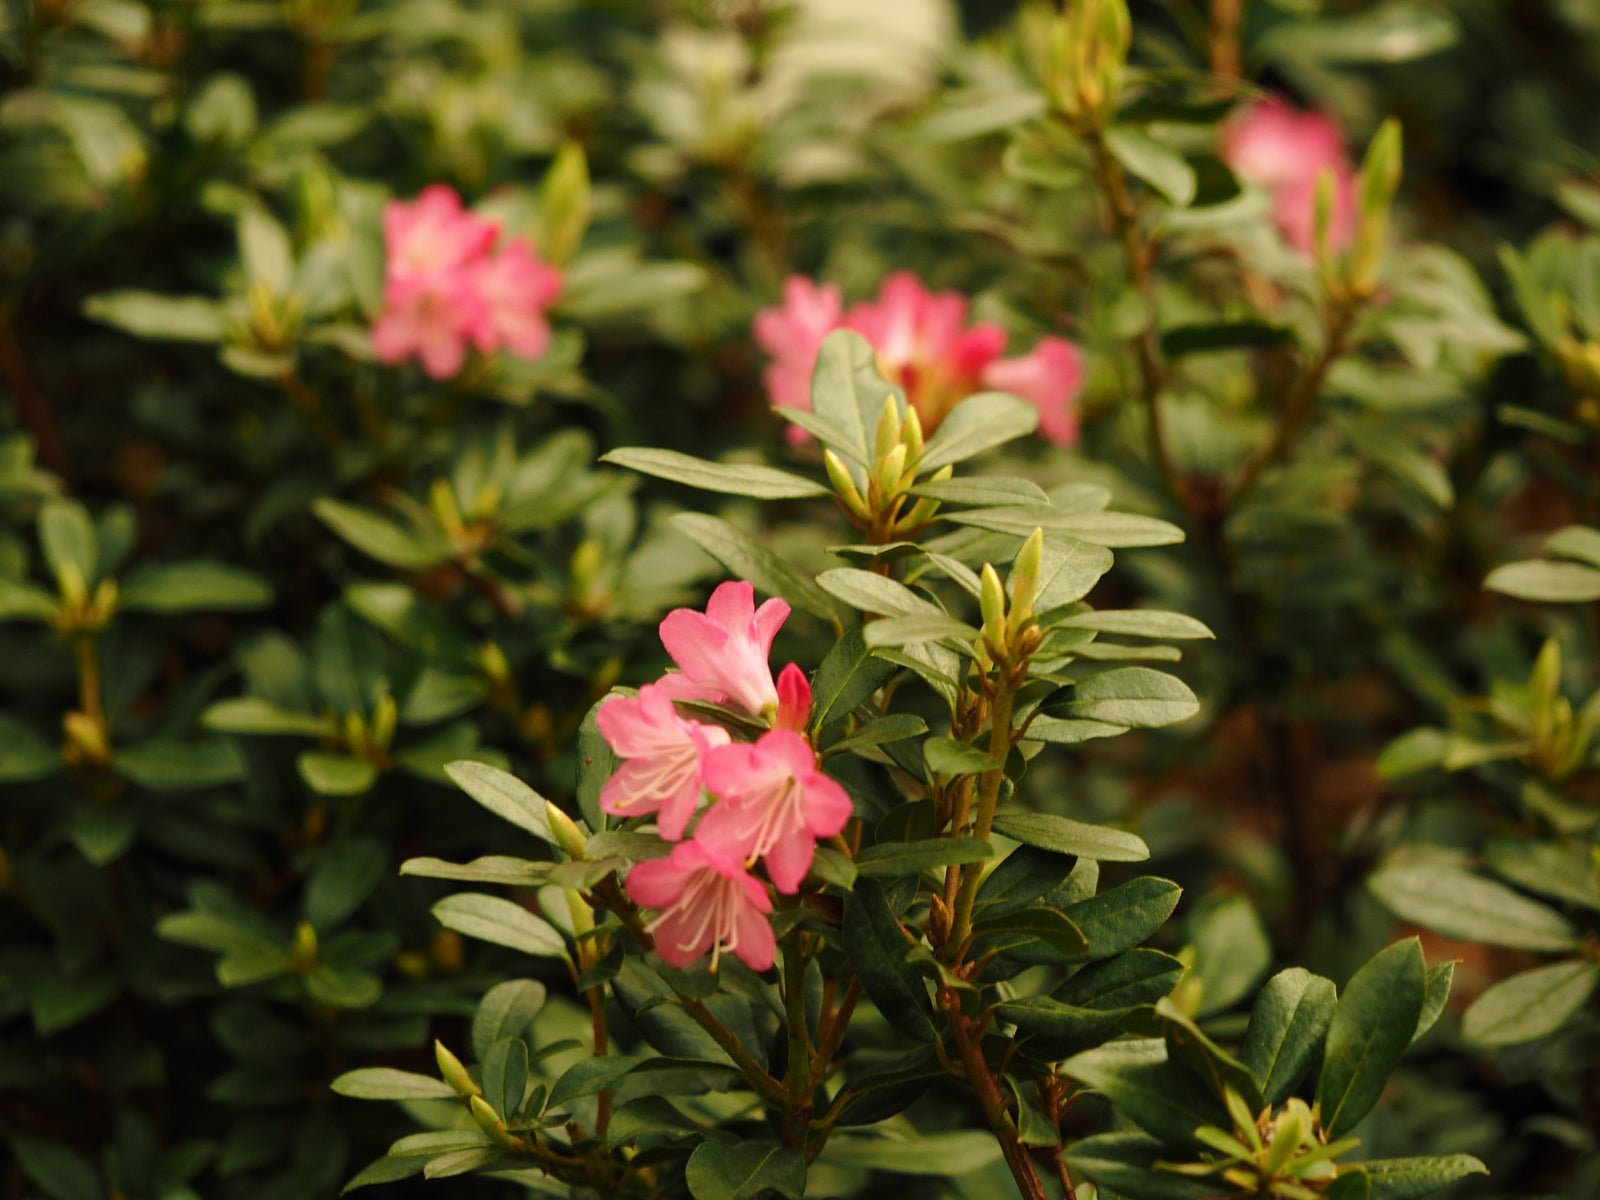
x=1010 y=586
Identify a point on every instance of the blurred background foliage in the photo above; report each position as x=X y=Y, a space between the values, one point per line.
x=257 y=589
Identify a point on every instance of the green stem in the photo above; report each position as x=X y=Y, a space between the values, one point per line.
x=1000 y=713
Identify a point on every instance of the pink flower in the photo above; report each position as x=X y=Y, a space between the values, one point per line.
x=433 y=234
x=427 y=317
x=794 y=699
x=664 y=755
x=924 y=345
x=707 y=901
x=515 y=288
x=774 y=804
x=792 y=334
x=1048 y=377
x=1285 y=151
x=725 y=648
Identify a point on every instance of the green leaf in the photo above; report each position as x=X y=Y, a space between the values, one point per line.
x=891 y=860
x=490 y=868
x=750 y=559
x=1137 y=697
x=505 y=1076
x=24 y=755
x=734 y=479
x=1068 y=570
x=1217 y=336
x=978 y=423
x=1134 y=622
x=1063 y=835
x=67 y=537
x=1062 y=1029
x=21 y=601
x=848 y=391
x=1462 y=905
x=56 y=1170
x=1232 y=951
x=1011 y=928
x=1188 y=1044
x=336 y=774
x=505 y=1011
x=915 y=631
x=1125 y=1163
x=166 y=766
x=194 y=586
x=265 y=250
x=148 y=315
x=1287 y=1027
x=1532 y=1004
x=1575 y=541
x=346 y=873
x=1435 y=995
x=500 y=921
x=589 y=1076
x=380 y=538
x=877 y=949
x=1157 y=164
x=386 y=1083
x=1150 y=1091
x=896 y=727
x=1121 y=918
x=1352 y=1183
x=1562 y=872
x=949 y=758
x=252 y=714
x=868 y=592
x=1104 y=529
x=1070 y=733
x=955 y=1152
x=1552 y=582
x=728 y=1170
x=388 y=1169
x=982 y=492
x=1393 y=32
x=1132 y=979
x=1414 y=1178
x=503 y=794
x=101 y=835
x=849 y=674
x=1371 y=1028
x=974 y=111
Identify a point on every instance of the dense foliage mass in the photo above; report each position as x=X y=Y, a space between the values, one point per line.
x=758 y=598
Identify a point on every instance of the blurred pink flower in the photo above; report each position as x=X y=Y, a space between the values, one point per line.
x=792 y=333
x=515 y=289
x=923 y=343
x=1048 y=377
x=1284 y=151
x=446 y=286
x=725 y=648
x=433 y=233
x=663 y=755
x=773 y=804
x=707 y=901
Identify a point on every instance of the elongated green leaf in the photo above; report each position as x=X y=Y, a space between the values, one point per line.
x=1153 y=1093
x=500 y=921
x=1154 y=162
x=379 y=537
x=1125 y=1165
x=21 y=601
x=749 y=559
x=505 y=1011
x=194 y=586
x=1414 y=1178
x=1435 y=994
x=1133 y=979
x=503 y=794
x=871 y=593
x=1063 y=1029
x=1110 y=529
x=847 y=676
x=1068 y=570
x=1138 y=697
x=336 y=774
x=148 y=315
x=979 y=423
x=950 y=758
x=915 y=631
x=1561 y=872
x=1395 y=31
x=24 y=755
x=1541 y=579
x=982 y=492
x=729 y=1170
x=896 y=727
x=1119 y=919
x=1462 y=905
x=1220 y=1071
x=386 y=1083
x=1531 y=1005
x=878 y=949
x=67 y=537
x=1576 y=541
x=954 y=1152
x=1371 y=1028
x=252 y=714
x=1286 y=1031
x=491 y=868
x=890 y=860
x=1134 y=622
x=848 y=391
x=1066 y=836
x=734 y=479
x=1008 y=929
x=588 y=1076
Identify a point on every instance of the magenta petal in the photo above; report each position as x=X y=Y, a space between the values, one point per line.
x=757 y=945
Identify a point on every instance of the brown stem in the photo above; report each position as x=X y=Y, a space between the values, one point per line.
x=988 y=799
x=831 y=1036
x=311 y=408
x=32 y=406
x=1124 y=220
x=968 y=1039
x=1224 y=42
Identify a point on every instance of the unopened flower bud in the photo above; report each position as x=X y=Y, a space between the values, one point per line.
x=568 y=836
x=442 y=500
x=385 y=716
x=891 y=467
x=992 y=603
x=454 y=1073
x=844 y=487
x=489 y=1121
x=303 y=950
x=1025 y=570
x=888 y=431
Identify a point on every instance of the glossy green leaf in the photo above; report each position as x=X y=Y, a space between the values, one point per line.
x=749 y=559
x=503 y=794
x=500 y=921
x=889 y=860
x=1459 y=904
x=1066 y=836
x=734 y=479
x=194 y=586
x=1288 y=1025
x=1532 y=1004
x=1137 y=697
x=977 y=424
x=1371 y=1028
x=1414 y=1178
x=740 y=1170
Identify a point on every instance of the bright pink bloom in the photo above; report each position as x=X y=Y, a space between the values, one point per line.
x=792 y=334
x=725 y=648
x=663 y=754
x=433 y=233
x=707 y=901
x=1048 y=377
x=794 y=699
x=774 y=804
x=515 y=289
x=427 y=317
x=1284 y=151
x=924 y=345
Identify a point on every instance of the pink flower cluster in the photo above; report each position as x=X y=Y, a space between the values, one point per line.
x=1284 y=151
x=772 y=802
x=449 y=285
x=925 y=345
